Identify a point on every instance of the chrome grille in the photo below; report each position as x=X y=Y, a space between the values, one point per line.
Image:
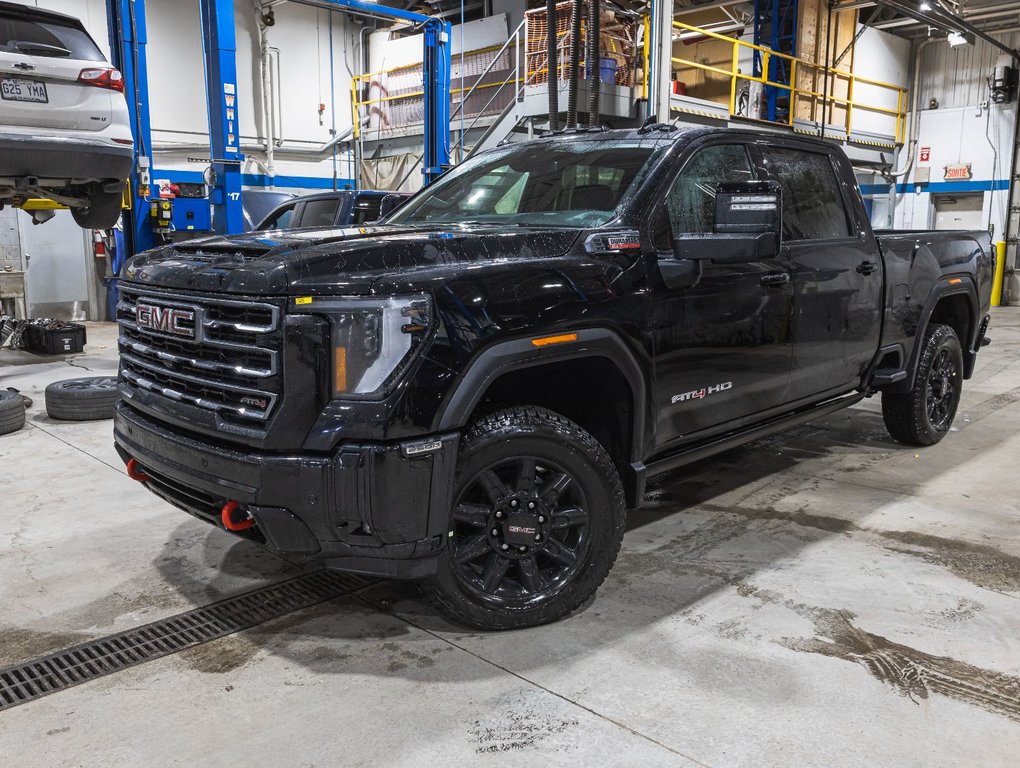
x=231 y=366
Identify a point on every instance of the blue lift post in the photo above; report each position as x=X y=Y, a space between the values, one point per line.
x=127 y=45
x=219 y=40
x=775 y=27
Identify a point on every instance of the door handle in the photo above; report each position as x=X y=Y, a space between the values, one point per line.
x=867 y=267
x=775 y=278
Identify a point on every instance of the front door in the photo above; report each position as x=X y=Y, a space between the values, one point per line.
x=837 y=272
x=722 y=347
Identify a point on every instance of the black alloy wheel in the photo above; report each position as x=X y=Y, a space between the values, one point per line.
x=924 y=415
x=520 y=531
x=536 y=525
x=943 y=381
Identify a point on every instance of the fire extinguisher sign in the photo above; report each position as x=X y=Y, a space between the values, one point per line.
x=925 y=154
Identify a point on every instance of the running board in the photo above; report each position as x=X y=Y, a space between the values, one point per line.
x=735 y=439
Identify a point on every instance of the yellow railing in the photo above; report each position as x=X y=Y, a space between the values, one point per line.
x=795 y=94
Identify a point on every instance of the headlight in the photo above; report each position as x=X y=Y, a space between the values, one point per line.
x=372 y=340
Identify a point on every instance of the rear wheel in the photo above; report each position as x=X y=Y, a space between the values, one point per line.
x=101 y=211
x=924 y=415
x=537 y=522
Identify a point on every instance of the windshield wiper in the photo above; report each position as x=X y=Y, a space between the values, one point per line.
x=490 y=223
x=41 y=49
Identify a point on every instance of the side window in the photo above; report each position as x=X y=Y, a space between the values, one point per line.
x=690 y=202
x=319 y=213
x=366 y=210
x=813 y=206
x=281 y=219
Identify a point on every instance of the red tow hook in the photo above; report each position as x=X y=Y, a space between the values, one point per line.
x=135 y=472
x=227 y=517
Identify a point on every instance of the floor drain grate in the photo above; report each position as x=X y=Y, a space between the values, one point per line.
x=30 y=680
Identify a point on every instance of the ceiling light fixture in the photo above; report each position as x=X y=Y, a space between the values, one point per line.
x=956 y=39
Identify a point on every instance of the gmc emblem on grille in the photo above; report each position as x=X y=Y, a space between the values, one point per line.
x=180 y=322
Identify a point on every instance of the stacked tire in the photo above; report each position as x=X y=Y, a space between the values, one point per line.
x=84 y=399
x=12 y=412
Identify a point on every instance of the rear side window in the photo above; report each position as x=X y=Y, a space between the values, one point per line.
x=366 y=210
x=319 y=213
x=20 y=33
x=813 y=206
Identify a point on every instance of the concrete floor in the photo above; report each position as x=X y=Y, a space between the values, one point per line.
x=824 y=597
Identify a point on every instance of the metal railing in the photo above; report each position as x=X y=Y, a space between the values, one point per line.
x=826 y=100
x=507 y=57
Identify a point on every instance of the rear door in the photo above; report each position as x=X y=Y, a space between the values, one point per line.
x=722 y=347
x=836 y=268
x=41 y=58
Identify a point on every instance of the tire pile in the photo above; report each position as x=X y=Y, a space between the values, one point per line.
x=83 y=399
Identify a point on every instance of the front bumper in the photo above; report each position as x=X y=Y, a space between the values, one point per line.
x=64 y=158
x=368 y=508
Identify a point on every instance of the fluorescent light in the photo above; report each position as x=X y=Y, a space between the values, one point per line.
x=925 y=7
x=956 y=39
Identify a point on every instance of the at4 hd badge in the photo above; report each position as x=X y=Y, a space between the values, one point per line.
x=698 y=394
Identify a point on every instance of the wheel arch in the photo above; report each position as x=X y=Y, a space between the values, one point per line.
x=953 y=302
x=607 y=358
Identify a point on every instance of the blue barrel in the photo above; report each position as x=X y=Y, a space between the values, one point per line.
x=607 y=70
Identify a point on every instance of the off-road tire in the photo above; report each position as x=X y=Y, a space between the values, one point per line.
x=84 y=399
x=12 y=412
x=555 y=447
x=909 y=416
x=101 y=212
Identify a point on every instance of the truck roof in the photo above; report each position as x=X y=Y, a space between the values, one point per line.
x=670 y=132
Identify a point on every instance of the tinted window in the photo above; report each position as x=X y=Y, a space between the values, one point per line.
x=19 y=33
x=690 y=202
x=319 y=213
x=280 y=219
x=366 y=210
x=574 y=185
x=812 y=203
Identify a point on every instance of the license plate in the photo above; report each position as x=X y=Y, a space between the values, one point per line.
x=23 y=90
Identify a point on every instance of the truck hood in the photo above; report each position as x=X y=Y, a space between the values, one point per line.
x=338 y=261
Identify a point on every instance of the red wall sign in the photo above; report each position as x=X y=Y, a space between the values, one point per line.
x=925 y=154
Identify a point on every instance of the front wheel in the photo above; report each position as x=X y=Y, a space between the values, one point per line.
x=924 y=415
x=537 y=522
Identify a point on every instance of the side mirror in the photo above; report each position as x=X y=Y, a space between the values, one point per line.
x=389 y=204
x=748 y=225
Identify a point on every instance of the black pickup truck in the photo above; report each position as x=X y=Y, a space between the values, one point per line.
x=472 y=392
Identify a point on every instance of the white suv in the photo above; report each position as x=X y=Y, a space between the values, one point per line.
x=65 y=132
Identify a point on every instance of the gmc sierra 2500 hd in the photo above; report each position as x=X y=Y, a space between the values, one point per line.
x=472 y=393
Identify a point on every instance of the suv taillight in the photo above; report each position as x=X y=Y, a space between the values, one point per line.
x=102 y=78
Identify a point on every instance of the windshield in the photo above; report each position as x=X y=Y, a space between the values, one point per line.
x=566 y=185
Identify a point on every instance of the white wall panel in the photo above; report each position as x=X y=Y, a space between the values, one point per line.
x=956 y=77
x=981 y=137
x=886 y=58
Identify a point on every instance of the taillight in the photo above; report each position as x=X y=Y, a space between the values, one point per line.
x=102 y=78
